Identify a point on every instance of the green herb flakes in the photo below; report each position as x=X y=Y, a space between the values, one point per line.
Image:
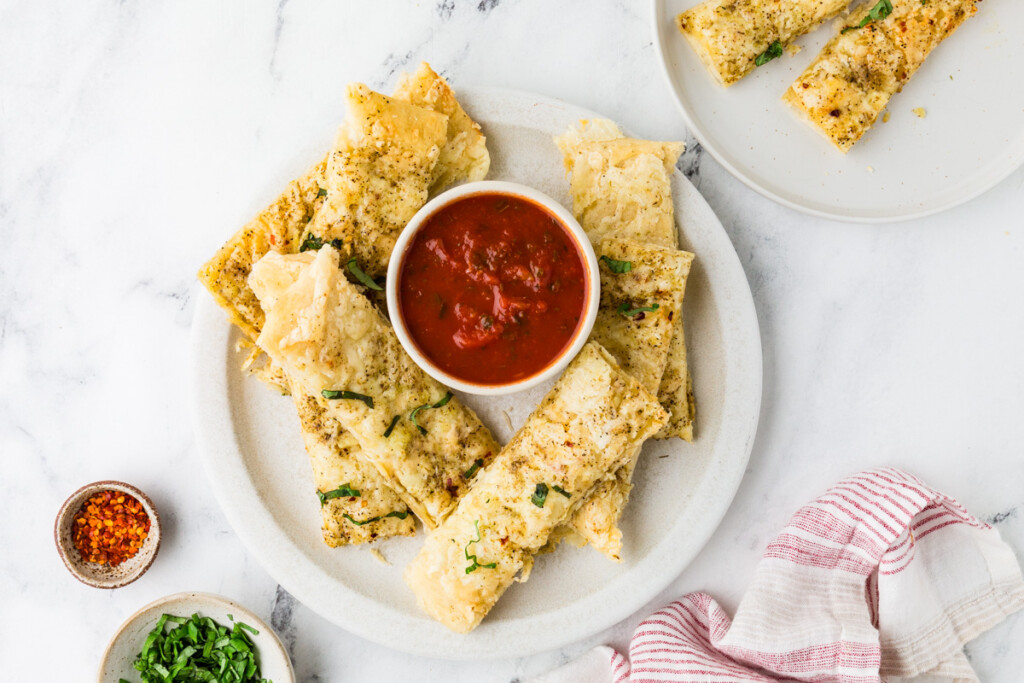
x=345 y=491
x=877 y=13
x=321 y=193
x=477 y=464
x=311 y=243
x=619 y=267
x=198 y=649
x=472 y=558
x=425 y=406
x=774 y=51
x=353 y=267
x=625 y=310
x=391 y=427
x=396 y=513
x=540 y=495
x=337 y=393
x=559 y=489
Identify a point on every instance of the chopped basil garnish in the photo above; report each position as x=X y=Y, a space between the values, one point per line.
x=336 y=393
x=396 y=513
x=198 y=649
x=311 y=243
x=540 y=494
x=477 y=464
x=617 y=266
x=774 y=51
x=345 y=491
x=354 y=268
x=391 y=427
x=314 y=243
x=625 y=310
x=559 y=489
x=472 y=558
x=877 y=13
x=321 y=193
x=417 y=409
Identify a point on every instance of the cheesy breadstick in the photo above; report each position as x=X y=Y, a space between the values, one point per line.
x=585 y=428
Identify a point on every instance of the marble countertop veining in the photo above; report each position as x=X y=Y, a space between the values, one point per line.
x=135 y=137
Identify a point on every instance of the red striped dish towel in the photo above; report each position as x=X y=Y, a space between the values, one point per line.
x=880 y=579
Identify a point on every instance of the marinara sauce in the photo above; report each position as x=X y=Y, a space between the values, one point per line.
x=492 y=288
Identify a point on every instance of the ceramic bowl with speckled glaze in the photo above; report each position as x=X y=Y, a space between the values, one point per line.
x=101 y=575
x=124 y=647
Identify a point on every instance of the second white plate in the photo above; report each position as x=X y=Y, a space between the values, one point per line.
x=250 y=442
x=971 y=137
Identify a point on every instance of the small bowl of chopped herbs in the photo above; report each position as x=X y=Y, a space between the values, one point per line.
x=195 y=637
x=107 y=533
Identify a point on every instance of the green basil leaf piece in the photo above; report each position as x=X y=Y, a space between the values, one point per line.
x=345 y=491
x=540 y=494
x=339 y=393
x=774 y=51
x=425 y=406
x=619 y=267
x=625 y=310
x=353 y=267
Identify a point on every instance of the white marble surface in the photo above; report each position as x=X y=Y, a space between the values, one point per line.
x=135 y=137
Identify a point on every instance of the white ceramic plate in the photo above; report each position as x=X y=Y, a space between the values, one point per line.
x=971 y=87
x=250 y=441
x=124 y=647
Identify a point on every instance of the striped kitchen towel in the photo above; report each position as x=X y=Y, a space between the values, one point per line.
x=880 y=579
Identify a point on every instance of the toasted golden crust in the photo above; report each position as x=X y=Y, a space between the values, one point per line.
x=640 y=344
x=852 y=80
x=729 y=35
x=377 y=511
x=585 y=428
x=378 y=176
x=621 y=187
x=328 y=337
x=464 y=155
x=279 y=228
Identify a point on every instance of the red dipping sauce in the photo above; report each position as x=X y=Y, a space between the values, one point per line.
x=492 y=288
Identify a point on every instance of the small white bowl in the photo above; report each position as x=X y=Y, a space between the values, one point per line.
x=102 y=575
x=574 y=230
x=124 y=647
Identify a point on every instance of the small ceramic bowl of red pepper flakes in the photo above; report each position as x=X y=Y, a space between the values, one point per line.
x=107 y=534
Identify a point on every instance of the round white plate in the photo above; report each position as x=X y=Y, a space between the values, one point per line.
x=250 y=441
x=126 y=644
x=971 y=138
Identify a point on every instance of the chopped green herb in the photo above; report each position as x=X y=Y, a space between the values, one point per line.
x=311 y=243
x=559 y=489
x=345 y=491
x=396 y=513
x=321 y=193
x=477 y=464
x=472 y=558
x=354 y=268
x=774 y=51
x=617 y=266
x=337 y=393
x=337 y=243
x=417 y=409
x=625 y=310
x=198 y=649
x=391 y=427
x=877 y=13
x=540 y=494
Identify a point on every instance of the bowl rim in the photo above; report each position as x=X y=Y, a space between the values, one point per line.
x=70 y=507
x=572 y=227
x=250 y=618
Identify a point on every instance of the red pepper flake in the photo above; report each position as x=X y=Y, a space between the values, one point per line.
x=110 y=528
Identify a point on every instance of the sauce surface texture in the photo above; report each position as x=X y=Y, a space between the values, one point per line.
x=492 y=288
